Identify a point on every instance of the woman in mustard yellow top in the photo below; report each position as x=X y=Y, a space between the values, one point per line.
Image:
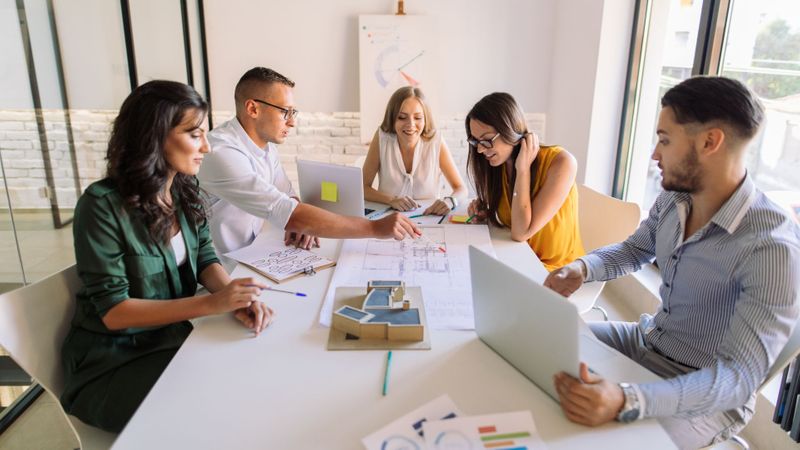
x=520 y=184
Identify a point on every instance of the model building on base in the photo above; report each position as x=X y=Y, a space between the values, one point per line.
x=384 y=314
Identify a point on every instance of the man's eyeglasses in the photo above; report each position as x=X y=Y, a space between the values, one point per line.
x=288 y=113
x=483 y=143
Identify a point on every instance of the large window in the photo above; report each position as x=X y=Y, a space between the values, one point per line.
x=755 y=41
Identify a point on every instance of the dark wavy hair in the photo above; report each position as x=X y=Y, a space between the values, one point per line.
x=500 y=111
x=136 y=162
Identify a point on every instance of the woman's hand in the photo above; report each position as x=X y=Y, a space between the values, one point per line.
x=256 y=316
x=527 y=152
x=438 y=208
x=403 y=203
x=478 y=210
x=239 y=293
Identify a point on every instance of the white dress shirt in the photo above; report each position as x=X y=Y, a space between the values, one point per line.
x=246 y=185
x=425 y=179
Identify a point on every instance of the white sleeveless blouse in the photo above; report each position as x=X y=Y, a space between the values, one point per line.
x=424 y=181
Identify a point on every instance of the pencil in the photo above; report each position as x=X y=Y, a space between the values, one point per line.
x=443 y=217
x=433 y=243
x=470 y=218
x=386 y=374
x=416 y=215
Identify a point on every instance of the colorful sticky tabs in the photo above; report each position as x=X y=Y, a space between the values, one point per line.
x=459 y=219
x=330 y=192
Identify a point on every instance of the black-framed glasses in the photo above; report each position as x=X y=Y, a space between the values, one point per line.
x=288 y=113
x=483 y=143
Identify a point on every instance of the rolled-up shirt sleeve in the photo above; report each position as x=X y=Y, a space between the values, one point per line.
x=229 y=174
x=99 y=253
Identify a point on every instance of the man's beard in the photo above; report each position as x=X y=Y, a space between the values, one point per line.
x=686 y=177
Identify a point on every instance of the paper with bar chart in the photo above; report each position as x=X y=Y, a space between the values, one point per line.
x=438 y=262
x=406 y=433
x=394 y=51
x=505 y=431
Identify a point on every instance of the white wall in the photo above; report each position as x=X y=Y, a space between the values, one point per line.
x=565 y=58
x=93 y=52
x=158 y=40
x=484 y=46
x=590 y=57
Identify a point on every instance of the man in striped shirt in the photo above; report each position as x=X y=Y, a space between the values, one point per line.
x=730 y=267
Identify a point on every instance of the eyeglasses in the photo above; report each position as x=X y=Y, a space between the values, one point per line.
x=288 y=113
x=483 y=143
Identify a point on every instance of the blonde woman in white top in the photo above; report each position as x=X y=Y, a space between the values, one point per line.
x=409 y=156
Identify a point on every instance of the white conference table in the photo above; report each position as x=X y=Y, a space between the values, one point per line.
x=283 y=390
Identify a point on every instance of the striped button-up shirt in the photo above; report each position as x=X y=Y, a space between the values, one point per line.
x=729 y=297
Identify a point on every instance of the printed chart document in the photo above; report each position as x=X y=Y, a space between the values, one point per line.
x=406 y=432
x=443 y=275
x=276 y=261
x=514 y=430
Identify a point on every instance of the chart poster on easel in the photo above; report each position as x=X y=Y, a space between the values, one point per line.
x=394 y=51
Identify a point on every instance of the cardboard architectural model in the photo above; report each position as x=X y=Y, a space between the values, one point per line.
x=384 y=314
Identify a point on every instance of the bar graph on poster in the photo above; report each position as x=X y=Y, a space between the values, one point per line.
x=394 y=51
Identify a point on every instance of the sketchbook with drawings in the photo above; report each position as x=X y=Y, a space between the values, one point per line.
x=278 y=262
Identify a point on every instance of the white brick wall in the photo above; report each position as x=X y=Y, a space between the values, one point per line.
x=327 y=137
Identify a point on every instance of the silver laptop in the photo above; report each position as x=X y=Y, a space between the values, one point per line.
x=336 y=188
x=538 y=331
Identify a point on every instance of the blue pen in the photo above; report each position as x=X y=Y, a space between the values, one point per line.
x=386 y=374
x=299 y=294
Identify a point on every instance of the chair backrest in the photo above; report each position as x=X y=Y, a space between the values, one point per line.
x=789 y=352
x=604 y=220
x=33 y=323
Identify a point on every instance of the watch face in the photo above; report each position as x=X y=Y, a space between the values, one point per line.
x=629 y=416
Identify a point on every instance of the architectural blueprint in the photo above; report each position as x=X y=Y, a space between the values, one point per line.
x=438 y=263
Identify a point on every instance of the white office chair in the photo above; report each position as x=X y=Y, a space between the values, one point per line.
x=33 y=323
x=603 y=220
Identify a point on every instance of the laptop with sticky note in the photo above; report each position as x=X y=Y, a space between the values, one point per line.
x=333 y=187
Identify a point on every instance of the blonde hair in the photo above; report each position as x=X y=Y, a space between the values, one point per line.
x=393 y=110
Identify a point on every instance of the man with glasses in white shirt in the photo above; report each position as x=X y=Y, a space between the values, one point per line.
x=247 y=184
x=730 y=266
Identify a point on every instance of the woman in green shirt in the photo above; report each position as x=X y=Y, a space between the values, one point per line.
x=141 y=245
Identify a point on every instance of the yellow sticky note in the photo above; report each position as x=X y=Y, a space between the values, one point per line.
x=330 y=192
x=459 y=219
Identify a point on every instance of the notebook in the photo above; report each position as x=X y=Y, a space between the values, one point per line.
x=278 y=262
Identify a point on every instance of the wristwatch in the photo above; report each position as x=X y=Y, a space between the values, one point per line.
x=453 y=201
x=630 y=409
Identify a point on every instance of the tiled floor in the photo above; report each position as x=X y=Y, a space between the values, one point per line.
x=44 y=249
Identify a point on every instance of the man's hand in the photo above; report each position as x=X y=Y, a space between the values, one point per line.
x=303 y=241
x=396 y=226
x=567 y=279
x=589 y=401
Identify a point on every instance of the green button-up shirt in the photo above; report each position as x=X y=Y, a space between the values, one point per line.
x=117 y=259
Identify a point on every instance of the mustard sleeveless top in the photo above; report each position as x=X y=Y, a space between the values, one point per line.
x=559 y=242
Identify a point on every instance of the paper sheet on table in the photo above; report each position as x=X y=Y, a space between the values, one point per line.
x=443 y=277
x=424 y=220
x=406 y=432
x=506 y=430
